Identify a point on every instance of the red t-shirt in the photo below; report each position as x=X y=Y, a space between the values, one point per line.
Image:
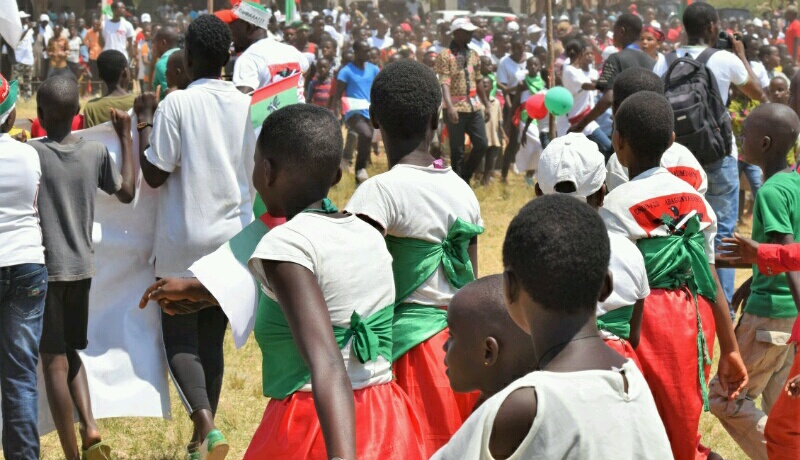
x=38 y=131
x=792 y=33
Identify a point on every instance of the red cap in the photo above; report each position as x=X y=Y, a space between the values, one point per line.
x=406 y=27
x=227 y=16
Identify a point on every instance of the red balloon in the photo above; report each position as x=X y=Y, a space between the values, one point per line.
x=535 y=106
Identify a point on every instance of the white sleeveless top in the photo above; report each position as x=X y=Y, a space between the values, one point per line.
x=580 y=415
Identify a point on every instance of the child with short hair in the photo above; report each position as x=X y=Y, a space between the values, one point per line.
x=72 y=171
x=677 y=159
x=581 y=383
x=326 y=332
x=485 y=350
x=674 y=228
x=494 y=133
x=177 y=77
x=319 y=89
x=779 y=89
x=771 y=307
x=535 y=135
x=116 y=74
x=431 y=219
x=574 y=165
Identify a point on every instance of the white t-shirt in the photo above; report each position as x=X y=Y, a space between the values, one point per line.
x=579 y=415
x=480 y=47
x=46 y=34
x=573 y=78
x=204 y=138
x=267 y=61
x=421 y=203
x=344 y=18
x=116 y=35
x=761 y=72
x=634 y=209
x=20 y=172
x=510 y=72
x=24 y=50
x=677 y=159
x=74 y=49
x=661 y=66
x=353 y=269
x=380 y=43
x=629 y=276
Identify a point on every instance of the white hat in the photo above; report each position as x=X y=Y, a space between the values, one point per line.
x=462 y=24
x=534 y=29
x=757 y=22
x=572 y=158
x=44 y=17
x=512 y=27
x=24 y=15
x=563 y=18
x=146 y=18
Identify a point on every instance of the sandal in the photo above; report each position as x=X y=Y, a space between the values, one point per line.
x=214 y=447
x=97 y=451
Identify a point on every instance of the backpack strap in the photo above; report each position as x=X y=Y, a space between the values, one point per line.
x=706 y=55
x=671 y=57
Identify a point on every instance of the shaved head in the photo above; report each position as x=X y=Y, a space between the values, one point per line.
x=57 y=99
x=770 y=131
x=483 y=302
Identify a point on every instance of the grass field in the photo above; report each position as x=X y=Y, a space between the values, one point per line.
x=241 y=405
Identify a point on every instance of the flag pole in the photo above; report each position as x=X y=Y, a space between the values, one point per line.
x=210 y=6
x=548 y=8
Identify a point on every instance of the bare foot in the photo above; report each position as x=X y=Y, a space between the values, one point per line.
x=90 y=436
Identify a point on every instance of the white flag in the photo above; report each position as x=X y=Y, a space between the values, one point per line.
x=10 y=25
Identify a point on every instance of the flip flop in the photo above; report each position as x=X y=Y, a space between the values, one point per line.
x=193 y=451
x=97 y=451
x=214 y=447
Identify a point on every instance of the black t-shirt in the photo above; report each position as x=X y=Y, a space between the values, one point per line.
x=620 y=61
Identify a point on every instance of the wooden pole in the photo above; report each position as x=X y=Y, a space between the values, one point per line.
x=548 y=8
x=210 y=6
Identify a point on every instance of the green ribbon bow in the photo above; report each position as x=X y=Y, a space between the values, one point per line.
x=617 y=322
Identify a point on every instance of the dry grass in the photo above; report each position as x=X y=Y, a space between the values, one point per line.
x=241 y=405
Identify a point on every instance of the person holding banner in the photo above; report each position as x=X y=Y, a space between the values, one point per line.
x=199 y=154
x=263 y=60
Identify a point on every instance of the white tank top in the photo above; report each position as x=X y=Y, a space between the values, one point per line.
x=580 y=415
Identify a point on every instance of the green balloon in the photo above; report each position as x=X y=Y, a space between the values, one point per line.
x=558 y=100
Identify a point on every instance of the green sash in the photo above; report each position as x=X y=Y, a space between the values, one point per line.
x=414 y=261
x=283 y=369
x=617 y=322
x=493 y=91
x=679 y=261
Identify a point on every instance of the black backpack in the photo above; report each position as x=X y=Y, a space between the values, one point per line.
x=702 y=122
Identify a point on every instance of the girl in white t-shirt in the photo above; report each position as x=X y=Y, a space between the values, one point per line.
x=580 y=78
x=325 y=330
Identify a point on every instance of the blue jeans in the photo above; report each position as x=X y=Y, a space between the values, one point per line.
x=22 y=292
x=723 y=195
x=602 y=141
x=753 y=174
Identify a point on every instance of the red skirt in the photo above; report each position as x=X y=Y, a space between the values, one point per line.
x=624 y=348
x=421 y=374
x=386 y=427
x=783 y=424
x=668 y=353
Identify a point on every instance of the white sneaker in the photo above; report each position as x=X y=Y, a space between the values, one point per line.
x=361 y=176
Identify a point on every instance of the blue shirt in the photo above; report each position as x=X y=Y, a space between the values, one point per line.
x=358 y=83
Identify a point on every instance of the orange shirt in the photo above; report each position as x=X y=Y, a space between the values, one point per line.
x=57 y=51
x=92 y=41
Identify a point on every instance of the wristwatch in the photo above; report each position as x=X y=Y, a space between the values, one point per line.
x=142 y=125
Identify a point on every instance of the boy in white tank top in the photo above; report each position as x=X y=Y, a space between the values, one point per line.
x=582 y=384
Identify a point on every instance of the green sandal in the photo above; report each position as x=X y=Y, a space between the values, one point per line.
x=214 y=447
x=193 y=451
x=98 y=451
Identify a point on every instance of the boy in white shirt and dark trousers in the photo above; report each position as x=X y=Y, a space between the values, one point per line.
x=72 y=171
x=200 y=154
x=23 y=284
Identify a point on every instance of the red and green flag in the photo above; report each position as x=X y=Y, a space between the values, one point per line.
x=273 y=97
x=107 y=4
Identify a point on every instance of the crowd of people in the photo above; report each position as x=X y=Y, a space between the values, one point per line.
x=379 y=339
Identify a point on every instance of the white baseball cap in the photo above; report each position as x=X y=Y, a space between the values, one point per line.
x=24 y=15
x=757 y=22
x=534 y=29
x=146 y=18
x=512 y=27
x=462 y=24
x=572 y=158
x=44 y=17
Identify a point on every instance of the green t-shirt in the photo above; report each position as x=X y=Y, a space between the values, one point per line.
x=97 y=110
x=160 y=74
x=776 y=210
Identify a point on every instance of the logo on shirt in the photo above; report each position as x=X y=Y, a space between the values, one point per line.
x=668 y=211
x=689 y=175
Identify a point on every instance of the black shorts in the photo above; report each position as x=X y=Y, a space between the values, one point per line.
x=66 y=316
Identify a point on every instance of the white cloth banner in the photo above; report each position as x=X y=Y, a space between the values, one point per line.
x=10 y=24
x=125 y=361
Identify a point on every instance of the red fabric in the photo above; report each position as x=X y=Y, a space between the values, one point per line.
x=386 y=427
x=776 y=258
x=668 y=353
x=421 y=374
x=624 y=348
x=38 y=131
x=792 y=33
x=783 y=424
